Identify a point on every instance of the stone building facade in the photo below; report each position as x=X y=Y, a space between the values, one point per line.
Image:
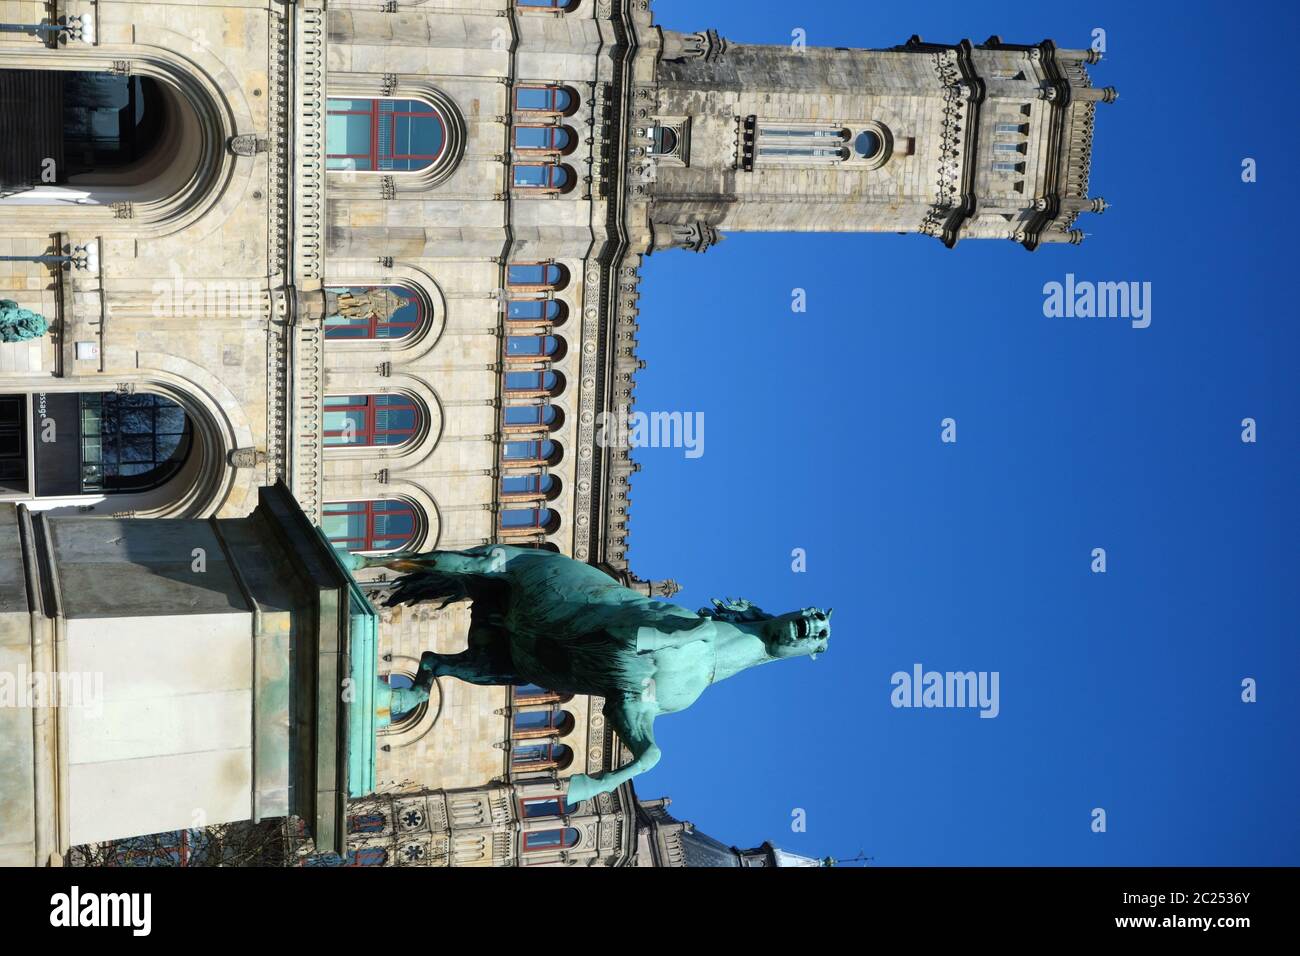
x=389 y=252
x=519 y=825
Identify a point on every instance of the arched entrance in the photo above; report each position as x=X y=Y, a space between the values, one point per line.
x=93 y=137
x=106 y=452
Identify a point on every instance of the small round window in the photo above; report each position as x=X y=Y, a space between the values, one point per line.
x=868 y=145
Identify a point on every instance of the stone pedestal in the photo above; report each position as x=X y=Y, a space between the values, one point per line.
x=162 y=674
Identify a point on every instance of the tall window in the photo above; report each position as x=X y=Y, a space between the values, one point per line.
x=529 y=519
x=370 y=420
x=386 y=525
x=534 y=310
x=544 y=755
x=131 y=443
x=531 y=808
x=561 y=839
x=543 y=99
x=358 y=313
x=536 y=275
x=540 y=415
x=541 y=176
x=382 y=135
x=536 y=484
x=532 y=382
x=535 y=346
x=540 y=723
x=551 y=139
x=789 y=142
x=528 y=450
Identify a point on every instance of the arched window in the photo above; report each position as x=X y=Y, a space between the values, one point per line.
x=531 y=486
x=528 y=450
x=665 y=140
x=382 y=135
x=369 y=526
x=359 y=313
x=544 y=99
x=536 y=276
x=535 y=383
x=129 y=442
x=548 y=139
x=540 y=756
x=528 y=519
x=534 y=310
x=398 y=717
x=534 y=346
x=539 y=415
x=551 y=722
x=370 y=420
x=561 y=5
x=551 y=176
x=541 y=840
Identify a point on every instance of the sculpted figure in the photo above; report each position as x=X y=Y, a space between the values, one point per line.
x=541 y=618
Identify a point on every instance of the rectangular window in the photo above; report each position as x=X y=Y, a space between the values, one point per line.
x=530 y=808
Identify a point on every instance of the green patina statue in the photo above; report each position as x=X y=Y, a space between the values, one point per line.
x=541 y=618
x=18 y=324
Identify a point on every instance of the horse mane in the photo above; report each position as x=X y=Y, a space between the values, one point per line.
x=735 y=611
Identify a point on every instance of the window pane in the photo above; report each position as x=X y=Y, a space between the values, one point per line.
x=523 y=415
x=533 y=98
x=532 y=137
x=528 y=274
x=526 y=309
x=530 y=176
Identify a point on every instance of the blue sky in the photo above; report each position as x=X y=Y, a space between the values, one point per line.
x=1120 y=691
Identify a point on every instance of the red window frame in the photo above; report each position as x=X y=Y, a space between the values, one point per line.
x=557 y=800
x=552 y=169
x=536 y=522
x=554 y=752
x=370 y=541
x=553 y=275
x=568 y=838
x=553 y=98
x=370 y=429
x=373 y=157
x=551 y=146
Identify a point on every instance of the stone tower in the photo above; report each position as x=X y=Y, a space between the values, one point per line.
x=953 y=141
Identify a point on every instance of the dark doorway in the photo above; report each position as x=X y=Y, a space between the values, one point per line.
x=55 y=124
x=13 y=445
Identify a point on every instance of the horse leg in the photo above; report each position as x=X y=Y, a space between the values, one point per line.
x=474 y=666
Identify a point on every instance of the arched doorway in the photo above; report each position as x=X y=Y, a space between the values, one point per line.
x=91 y=138
x=102 y=452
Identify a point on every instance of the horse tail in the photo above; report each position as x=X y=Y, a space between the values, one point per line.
x=432 y=585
